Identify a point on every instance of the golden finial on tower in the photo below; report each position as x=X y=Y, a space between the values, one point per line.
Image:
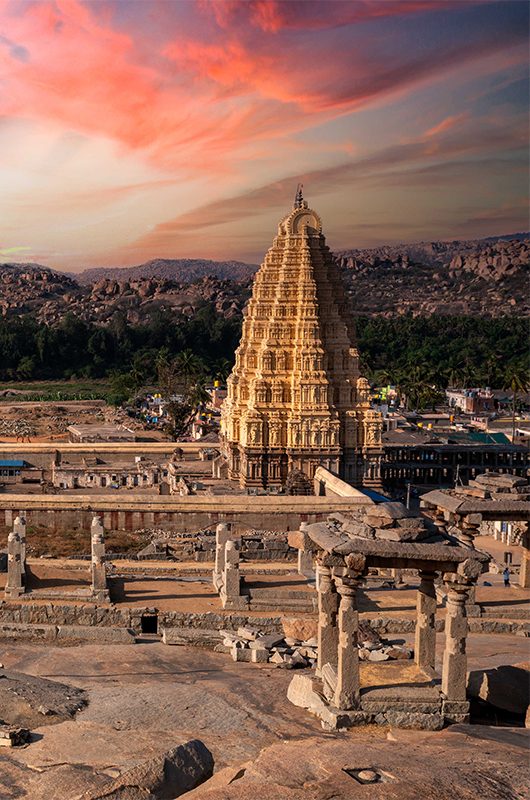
x=299 y=199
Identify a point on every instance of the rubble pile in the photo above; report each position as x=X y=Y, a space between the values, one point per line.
x=391 y=522
x=252 y=645
x=16 y=427
x=256 y=545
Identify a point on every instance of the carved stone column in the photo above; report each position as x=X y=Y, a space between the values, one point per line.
x=425 y=634
x=347 y=694
x=454 y=669
x=305 y=563
x=99 y=577
x=328 y=604
x=468 y=528
x=231 y=597
x=222 y=535
x=19 y=526
x=524 y=574
x=13 y=587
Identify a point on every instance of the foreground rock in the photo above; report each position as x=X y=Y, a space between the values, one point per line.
x=506 y=687
x=168 y=775
x=30 y=702
x=450 y=765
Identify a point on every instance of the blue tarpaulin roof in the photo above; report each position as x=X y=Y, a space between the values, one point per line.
x=375 y=496
x=12 y=463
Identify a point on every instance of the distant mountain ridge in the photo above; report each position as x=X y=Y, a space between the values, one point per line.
x=183 y=270
x=471 y=277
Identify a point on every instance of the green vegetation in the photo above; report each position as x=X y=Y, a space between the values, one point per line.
x=421 y=355
x=75 y=349
x=424 y=355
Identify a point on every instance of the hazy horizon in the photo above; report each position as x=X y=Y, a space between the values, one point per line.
x=135 y=131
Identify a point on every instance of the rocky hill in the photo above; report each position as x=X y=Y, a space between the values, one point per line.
x=182 y=270
x=48 y=296
x=478 y=277
x=463 y=277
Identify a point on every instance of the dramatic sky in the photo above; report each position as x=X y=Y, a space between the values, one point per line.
x=131 y=130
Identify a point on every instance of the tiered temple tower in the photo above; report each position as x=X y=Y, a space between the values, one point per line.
x=295 y=398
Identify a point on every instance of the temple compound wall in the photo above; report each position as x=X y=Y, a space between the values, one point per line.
x=172 y=513
x=296 y=399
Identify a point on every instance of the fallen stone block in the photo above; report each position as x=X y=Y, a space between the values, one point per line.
x=249 y=634
x=276 y=658
x=268 y=640
x=13 y=737
x=300 y=628
x=198 y=637
x=169 y=775
x=301 y=693
x=259 y=655
x=506 y=687
x=241 y=654
x=378 y=655
x=397 y=652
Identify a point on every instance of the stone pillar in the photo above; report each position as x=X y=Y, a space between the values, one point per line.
x=222 y=534
x=425 y=634
x=14 y=587
x=454 y=669
x=231 y=597
x=305 y=563
x=524 y=573
x=468 y=528
x=347 y=694
x=99 y=578
x=328 y=605
x=19 y=526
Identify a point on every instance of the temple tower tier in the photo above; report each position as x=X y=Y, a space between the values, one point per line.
x=296 y=400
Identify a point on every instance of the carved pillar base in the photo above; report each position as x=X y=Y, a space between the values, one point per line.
x=425 y=634
x=454 y=670
x=328 y=603
x=347 y=693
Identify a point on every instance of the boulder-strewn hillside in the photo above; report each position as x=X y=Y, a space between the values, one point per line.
x=479 y=277
x=24 y=288
x=182 y=270
x=48 y=296
x=470 y=277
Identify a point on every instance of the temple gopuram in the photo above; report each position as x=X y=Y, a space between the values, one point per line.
x=296 y=400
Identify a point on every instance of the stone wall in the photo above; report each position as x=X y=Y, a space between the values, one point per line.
x=183 y=514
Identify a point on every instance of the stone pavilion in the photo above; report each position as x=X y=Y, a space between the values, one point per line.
x=296 y=400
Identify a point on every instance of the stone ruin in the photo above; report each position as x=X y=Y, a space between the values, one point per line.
x=17 y=573
x=387 y=537
x=490 y=497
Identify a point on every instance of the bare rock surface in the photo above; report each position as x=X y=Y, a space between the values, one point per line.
x=31 y=701
x=461 y=763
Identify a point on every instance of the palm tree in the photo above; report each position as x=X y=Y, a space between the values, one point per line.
x=188 y=364
x=517 y=382
x=223 y=368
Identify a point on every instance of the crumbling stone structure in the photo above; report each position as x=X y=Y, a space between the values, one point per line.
x=387 y=537
x=226 y=576
x=16 y=559
x=296 y=399
x=99 y=588
x=489 y=497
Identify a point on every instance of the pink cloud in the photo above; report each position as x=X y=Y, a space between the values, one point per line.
x=446 y=124
x=199 y=102
x=272 y=16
